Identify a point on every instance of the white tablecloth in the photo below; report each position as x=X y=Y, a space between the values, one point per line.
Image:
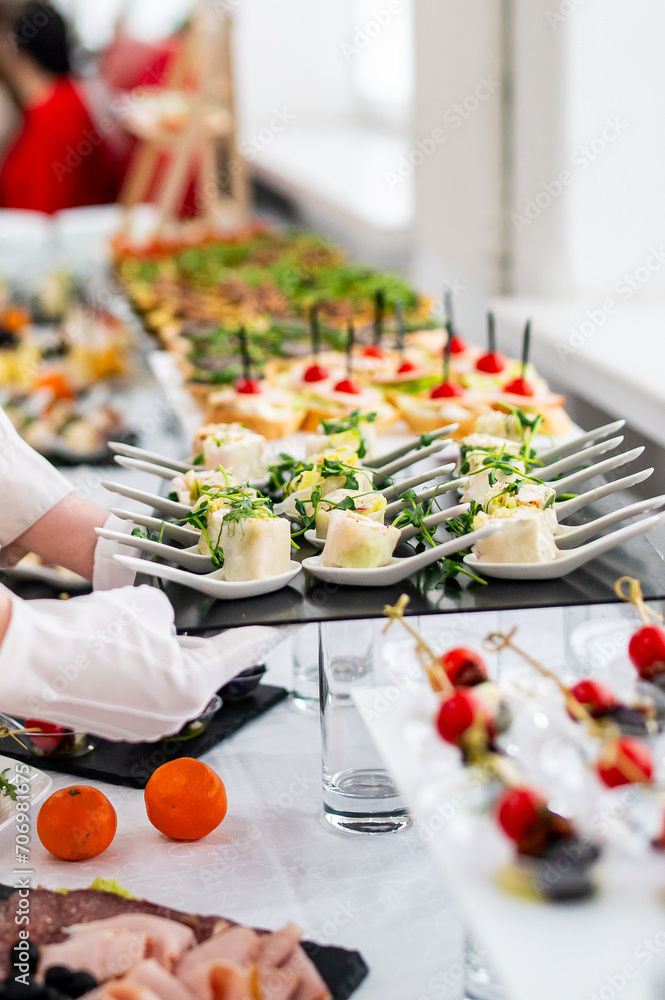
x=272 y=860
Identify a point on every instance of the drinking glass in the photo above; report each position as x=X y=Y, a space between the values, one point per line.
x=359 y=795
x=305 y=651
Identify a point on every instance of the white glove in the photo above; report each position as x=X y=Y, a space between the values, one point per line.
x=107 y=573
x=110 y=664
x=29 y=486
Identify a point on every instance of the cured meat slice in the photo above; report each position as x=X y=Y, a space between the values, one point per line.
x=277 y=947
x=110 y=948
x=239 y=945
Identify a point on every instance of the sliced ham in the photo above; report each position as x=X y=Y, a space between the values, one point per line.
x=311 y=986
x=121 y=990
x=220 y=980
x=107 y=954
x=239 y=945
x=110 y=948
x=276 y=948
x=277 y=984
x=150 y=975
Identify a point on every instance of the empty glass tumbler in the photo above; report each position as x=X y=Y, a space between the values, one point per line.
x=359 y=795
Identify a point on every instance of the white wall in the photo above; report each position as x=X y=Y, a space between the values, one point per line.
x=289 y=54
x=459 y=214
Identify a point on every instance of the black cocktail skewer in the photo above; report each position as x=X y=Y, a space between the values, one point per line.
x=350 y=341
x=491 y=334
x=315 y=330
x=379 y=314
x=447 y=349
x=244 y=351
x=399 y=317
x=526 y=346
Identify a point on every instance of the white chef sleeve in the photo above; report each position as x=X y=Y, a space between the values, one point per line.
x=29 y=486
x=110 y=664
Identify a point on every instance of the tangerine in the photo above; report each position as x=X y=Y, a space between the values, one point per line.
x=76 y=823
x=185 y=799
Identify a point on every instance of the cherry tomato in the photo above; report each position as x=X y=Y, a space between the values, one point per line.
x=446 y=390
x=647 y=651
x=52 y=734
x=406 y=367
x=464 y=667
x=520 y=811
x=348 y=385
x=374 y=351
x=457 y=345
x=458 y=713
x=625 y=761
x=595 y=697
x=315 y=373
x=491 y=363
x=248 y=386
x=519 y=387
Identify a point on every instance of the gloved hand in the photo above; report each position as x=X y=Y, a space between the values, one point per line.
x=107 y=572
x=29 y=486
x=110 y=664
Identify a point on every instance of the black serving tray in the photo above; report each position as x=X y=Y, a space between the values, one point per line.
x=309 y=600
x=131 y=764
x=341 y=970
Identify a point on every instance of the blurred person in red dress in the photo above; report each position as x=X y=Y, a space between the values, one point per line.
x=58 y=157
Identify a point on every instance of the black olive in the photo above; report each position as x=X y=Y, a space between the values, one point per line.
x=564 y=870
x=72 y=984
x=33 y=957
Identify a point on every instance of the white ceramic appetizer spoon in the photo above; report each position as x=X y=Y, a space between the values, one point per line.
x=178 y=532
x=170 y=507
x=392 y=492
x=190 y=558
x=168 y=474
x=554 y=454
x=566 y=562
x=412 y=444
x=131 y=451
x=406 y=460
x=397 y=569
x=574 y=461
x=564 y=508
x=570 y=483
x=568 y=538
x=394 y=508
x=213 y=584
x=409 y=530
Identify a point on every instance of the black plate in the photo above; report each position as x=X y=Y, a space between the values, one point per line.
x=131 y=764
x=341 y=970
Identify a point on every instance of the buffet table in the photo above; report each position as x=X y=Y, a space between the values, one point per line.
x=272 y=860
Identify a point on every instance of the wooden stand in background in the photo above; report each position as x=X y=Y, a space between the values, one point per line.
x=200 y=145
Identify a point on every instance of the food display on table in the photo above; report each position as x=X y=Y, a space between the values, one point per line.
x=344 y=495
x=107 y=943
x=59 y=355
x=602 y=744
x=280 y=331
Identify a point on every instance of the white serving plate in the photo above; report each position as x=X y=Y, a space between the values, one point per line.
x=537 y=950
x=40 y=786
